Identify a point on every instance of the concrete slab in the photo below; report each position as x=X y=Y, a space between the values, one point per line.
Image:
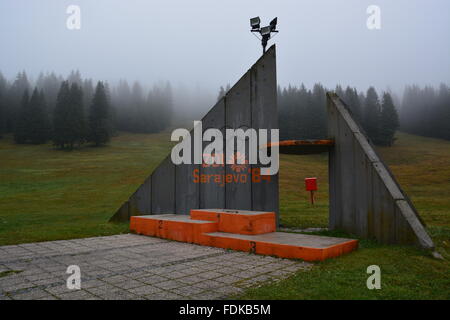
x=173 y=217
x=285 y=245
x=292 y=239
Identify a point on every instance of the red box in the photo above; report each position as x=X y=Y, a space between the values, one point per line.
x=311 y=184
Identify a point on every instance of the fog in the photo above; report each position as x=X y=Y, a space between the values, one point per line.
x=200 y=45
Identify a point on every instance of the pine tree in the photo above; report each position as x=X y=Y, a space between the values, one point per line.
x=351 y=98
x=443 y=113
x=69 y=126
x=3 y=96
x=14 y=100
x=318 y=113
x=60 y=115
x=21 y=130
x=372 y=113
x=39 y=127
x=389 y=121
x=76 y=129
x=100 y=128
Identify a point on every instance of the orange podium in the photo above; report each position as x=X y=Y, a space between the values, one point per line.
x=250 y=231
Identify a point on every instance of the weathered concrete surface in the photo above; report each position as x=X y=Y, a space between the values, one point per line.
x=250 y=103
x=134 y=267
x=212 y=194
x=365 y=198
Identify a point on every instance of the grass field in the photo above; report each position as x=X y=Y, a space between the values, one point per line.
x=48 y=194
x=422 y=166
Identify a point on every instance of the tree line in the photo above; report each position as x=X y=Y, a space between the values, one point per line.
x=71 y=111
x=426 y=111
x=302 y=113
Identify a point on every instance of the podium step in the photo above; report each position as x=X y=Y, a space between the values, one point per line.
x=251 y=231
x=285 y=245
x=238 y=221
x=172 y=227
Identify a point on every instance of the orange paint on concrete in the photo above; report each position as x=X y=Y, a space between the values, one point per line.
x=212 y=228
x=238 y=221
x=289 y=143
x=283 y=250
x=184 y=231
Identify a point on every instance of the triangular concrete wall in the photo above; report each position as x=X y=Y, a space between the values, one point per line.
x=365 y=198
x=250 y=103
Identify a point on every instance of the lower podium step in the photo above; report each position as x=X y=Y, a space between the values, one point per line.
x=173 y=227
x=285 y=245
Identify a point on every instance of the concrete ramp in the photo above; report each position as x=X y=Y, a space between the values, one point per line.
x=365 y=198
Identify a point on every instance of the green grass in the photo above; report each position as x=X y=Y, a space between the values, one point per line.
x=421 y=165
x=9 y=272
x=406 y=273
x=47 y=194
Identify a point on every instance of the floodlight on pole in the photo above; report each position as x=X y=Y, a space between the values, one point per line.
x=265 y=32
x=273 y=24
x=255 y=23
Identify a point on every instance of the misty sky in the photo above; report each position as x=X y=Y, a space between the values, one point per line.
x=207 y=43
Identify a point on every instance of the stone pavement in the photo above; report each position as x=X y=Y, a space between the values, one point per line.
x=134 y=267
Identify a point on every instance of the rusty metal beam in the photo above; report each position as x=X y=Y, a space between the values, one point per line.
x=303 y=147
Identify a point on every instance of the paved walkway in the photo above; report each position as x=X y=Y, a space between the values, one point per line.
x=134 y=267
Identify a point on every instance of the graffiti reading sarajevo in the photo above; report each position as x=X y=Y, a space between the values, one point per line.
x=240 y=172
x=212 y=156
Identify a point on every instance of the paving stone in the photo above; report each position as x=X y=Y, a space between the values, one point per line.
x=153 y=279
x=209 y=284
x=49 y=297
x=170 y=284
x=228 y=279
x=30 y=295
x=115 y=279
x=102 y=289
x=227 y=290
x=145 y=290
x=209 y=275
x=191 y=279
x=280 y=273
x=129 y=284
x=129 y=266
x=117 y=295
x=76 y=295
x=188 y=291
x=59 y=289
x=16 y=286
x=91 y=284
x=208 y=295
x=164 y=296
